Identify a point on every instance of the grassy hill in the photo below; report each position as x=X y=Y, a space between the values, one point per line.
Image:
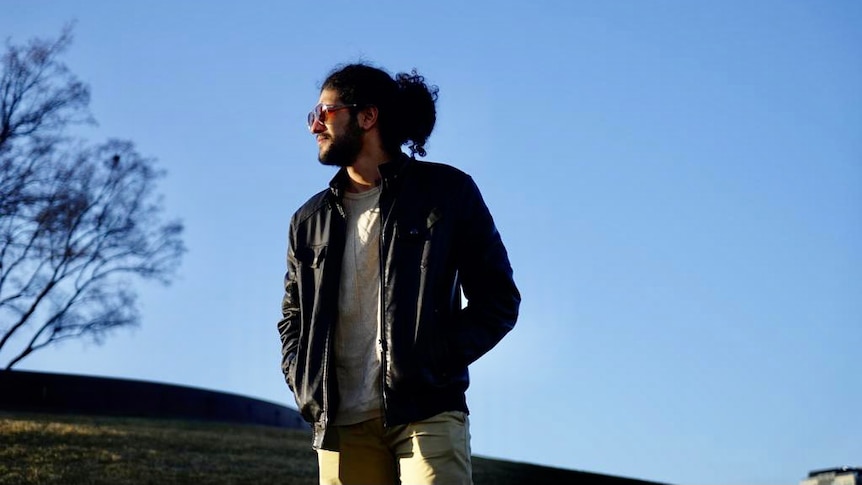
x=68 y=450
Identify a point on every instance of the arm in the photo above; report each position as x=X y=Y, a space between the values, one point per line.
x=289 y=325
x=486 y=278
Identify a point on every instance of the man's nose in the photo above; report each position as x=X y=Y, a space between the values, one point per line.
x=318 y=127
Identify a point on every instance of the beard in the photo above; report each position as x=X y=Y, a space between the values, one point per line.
x=344 y=148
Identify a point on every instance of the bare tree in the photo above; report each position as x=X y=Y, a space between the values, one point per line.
x=78 y=222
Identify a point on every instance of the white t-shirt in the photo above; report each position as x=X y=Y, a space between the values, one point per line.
x=357 y=355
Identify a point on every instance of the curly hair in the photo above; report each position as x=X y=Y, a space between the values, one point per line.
x=406 y=105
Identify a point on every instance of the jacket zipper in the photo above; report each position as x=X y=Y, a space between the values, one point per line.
x=326 y=382
x=326 y=356
x=384 y=349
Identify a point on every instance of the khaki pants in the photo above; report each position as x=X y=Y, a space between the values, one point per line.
x=432 y=451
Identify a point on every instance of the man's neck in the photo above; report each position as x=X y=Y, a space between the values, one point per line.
x=364 y=174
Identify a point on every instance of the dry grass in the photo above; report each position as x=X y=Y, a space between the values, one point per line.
x=52 y=449
x=72 y=450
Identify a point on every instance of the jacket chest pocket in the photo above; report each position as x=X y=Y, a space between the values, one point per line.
x=415 y=235
x=419 y=229
x=312 y=256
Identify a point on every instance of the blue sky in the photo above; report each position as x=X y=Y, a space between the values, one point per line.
x=679 y=185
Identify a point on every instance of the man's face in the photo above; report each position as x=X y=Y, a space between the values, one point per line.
x=339 y=136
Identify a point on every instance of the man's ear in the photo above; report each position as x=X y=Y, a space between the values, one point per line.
x=367 y=118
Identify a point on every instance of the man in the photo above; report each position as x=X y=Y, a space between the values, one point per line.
x=375 y=341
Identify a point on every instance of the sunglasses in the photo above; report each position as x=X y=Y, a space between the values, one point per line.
x=320 y=113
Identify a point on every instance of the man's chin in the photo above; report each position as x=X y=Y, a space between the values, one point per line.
x=330 y=162
x=323 y=156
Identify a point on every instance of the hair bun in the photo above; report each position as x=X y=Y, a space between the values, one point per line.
x=419 y=101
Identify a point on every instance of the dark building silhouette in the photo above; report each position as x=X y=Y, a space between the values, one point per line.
x=74 y=394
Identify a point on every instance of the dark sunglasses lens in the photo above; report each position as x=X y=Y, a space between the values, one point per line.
x=318 y=114
x=315 y=115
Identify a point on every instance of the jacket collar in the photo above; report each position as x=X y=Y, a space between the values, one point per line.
x=390 y=174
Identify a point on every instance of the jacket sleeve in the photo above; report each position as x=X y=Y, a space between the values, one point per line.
x=289 y=325
x=486 y=279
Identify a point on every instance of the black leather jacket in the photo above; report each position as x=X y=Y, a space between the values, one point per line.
x=437 y=239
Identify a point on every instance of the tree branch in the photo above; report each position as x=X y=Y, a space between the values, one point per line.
x=76 y=220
